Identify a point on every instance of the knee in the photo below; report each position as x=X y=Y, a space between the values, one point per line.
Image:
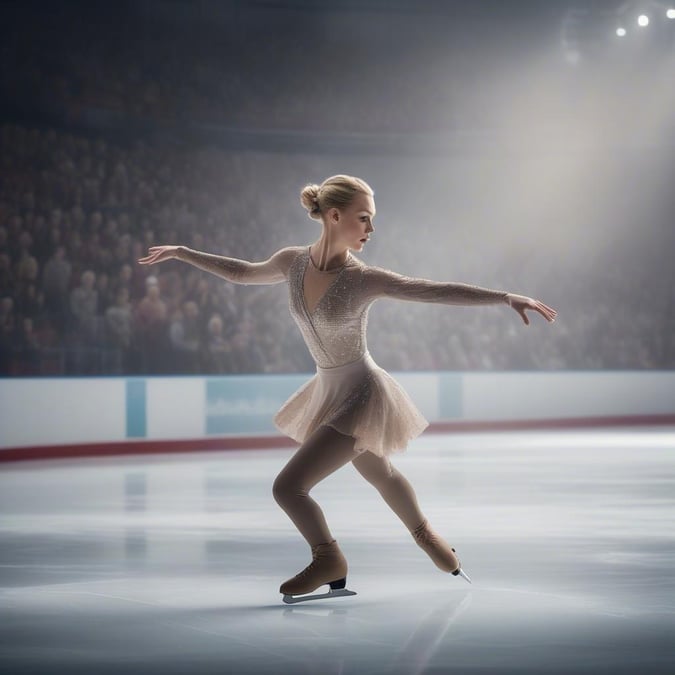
x=387 y=480
x=284 y=488
x=279 y=489
x=382 y=479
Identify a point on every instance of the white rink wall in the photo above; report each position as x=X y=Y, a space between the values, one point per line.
x=65 y=411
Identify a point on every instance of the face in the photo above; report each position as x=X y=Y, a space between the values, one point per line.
x=355 y=223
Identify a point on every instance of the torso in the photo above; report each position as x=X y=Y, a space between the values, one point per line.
x=328 y=309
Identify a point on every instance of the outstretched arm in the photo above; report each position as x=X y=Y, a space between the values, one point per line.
x=271 y=271
x=380 y=282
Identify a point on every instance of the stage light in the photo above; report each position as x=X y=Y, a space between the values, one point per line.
x=620 y=32
x=671 y=13
x=643 y=20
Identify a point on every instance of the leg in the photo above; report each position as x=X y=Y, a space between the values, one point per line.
x=400 y=496
x=325 y=451
x=392 y=485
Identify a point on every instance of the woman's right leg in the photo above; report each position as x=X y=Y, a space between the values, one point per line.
x=325 y=451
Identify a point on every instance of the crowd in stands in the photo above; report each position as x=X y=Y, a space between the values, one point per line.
x=76 y=213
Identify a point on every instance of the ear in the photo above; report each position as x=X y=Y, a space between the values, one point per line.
x=334 y=215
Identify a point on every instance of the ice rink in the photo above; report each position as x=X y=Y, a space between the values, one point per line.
x=172 y=564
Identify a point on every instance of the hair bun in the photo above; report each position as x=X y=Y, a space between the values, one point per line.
x=310 y=200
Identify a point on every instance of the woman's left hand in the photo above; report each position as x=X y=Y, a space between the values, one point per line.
x=521 y=303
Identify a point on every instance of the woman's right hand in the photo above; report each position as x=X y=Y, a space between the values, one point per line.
x=159 y=254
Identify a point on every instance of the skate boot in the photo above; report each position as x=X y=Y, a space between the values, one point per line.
x=438 y=550
x=328 y=566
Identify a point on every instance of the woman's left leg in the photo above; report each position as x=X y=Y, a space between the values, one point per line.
x=392 y=485
x=400 y=496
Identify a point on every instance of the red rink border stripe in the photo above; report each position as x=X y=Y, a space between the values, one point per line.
x=222 y=443
x=562 y=423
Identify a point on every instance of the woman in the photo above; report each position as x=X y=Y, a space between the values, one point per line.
x=351 y=410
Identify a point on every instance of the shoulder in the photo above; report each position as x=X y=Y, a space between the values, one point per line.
x=380 y=281
x=375 y=272
x=285 y=257
x=288 y=252
x=372 y=279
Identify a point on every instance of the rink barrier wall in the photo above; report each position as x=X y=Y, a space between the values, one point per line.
x=59 y=417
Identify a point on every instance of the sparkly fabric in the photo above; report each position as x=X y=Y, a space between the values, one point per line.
x=359 y=399
x=335 y=330
x=272 y=271
x=349 y=392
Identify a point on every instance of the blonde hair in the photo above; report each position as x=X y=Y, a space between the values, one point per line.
x=335 y=192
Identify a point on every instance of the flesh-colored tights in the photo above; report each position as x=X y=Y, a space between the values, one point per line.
x=325 y=451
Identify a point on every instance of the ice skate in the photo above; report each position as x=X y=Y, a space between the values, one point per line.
x=438 y=550
x=328 y=566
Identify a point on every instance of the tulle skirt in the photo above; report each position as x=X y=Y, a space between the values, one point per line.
x=359 y=399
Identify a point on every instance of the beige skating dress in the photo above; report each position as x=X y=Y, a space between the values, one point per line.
x=349 y=391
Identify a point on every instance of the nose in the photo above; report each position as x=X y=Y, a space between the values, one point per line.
x=370 y=227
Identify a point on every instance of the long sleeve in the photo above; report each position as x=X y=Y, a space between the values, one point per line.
x=271 y=271
x=382 y=283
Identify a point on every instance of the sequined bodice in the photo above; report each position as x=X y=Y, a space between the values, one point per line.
x=335 y=329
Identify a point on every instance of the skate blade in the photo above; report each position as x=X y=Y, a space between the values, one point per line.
x=291 y=599
x=462 y=573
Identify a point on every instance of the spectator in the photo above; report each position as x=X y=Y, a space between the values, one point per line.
x=55 y=286
x=84 y=308
x=7 y=283
x=184 y=333
x=7 y=334
x=219 y=353
x=150 y=325
x=26 y=350
x=118 y=322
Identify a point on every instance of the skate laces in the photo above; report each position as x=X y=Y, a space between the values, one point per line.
x=427 y=539
x=306 y=571
x=423 y=535
x=318 y=551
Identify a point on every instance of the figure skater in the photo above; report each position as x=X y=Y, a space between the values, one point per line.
x=351 y=410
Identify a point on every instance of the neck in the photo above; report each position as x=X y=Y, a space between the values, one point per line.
x=328 y=255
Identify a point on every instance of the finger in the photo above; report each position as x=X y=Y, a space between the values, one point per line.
x=525 y=319
x=546 y=312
